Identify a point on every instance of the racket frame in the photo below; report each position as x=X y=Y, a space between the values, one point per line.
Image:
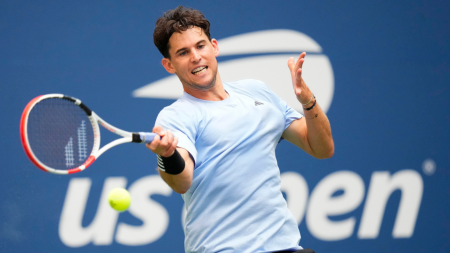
x=95 y=121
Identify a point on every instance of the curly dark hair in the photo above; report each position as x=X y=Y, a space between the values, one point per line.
x=177 y=20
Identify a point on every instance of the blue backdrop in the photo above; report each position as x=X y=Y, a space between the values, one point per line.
x=389 y=112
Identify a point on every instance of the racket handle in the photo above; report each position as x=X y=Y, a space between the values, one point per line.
x=144 y=137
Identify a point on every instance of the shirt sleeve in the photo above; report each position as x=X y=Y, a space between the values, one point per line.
x=182 y=126
x=289 y=114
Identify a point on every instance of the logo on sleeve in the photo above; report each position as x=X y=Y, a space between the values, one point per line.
x=258 y=103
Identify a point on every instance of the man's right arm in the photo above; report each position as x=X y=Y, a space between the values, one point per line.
x=182 y=182
x=165 y=145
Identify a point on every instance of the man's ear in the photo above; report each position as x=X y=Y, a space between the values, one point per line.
x=168 y=65
x=215 y=46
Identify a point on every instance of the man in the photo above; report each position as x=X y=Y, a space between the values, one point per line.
x=217 y=144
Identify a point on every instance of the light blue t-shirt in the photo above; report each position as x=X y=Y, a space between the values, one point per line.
x=234 y=203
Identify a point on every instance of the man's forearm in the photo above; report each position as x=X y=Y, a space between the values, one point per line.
x=180 y=183
x=319 y=132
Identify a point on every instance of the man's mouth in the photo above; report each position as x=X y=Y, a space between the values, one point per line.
x=199 y=70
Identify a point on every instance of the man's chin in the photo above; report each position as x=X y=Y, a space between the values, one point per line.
x=203 y=86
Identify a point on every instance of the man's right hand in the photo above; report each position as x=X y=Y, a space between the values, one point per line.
x=164 y=144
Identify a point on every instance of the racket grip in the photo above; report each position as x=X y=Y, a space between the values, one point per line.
x=147 y=137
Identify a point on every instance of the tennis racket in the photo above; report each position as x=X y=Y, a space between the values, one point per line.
x=61 y=135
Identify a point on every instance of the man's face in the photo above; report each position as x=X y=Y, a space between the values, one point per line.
x=193 y=59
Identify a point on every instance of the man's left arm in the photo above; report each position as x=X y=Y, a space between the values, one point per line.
x=312 y=133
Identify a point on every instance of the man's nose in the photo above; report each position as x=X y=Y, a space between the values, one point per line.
x=196 y=57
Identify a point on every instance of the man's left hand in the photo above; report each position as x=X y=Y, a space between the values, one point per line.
x=300 y=88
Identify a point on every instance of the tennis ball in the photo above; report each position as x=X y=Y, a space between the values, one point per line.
x=119 y=199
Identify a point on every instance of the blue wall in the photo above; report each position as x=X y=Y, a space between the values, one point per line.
x=390 y=115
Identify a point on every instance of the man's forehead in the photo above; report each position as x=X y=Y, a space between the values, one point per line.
x=191 y=35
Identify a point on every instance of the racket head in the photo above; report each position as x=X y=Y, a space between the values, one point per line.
x=59 y=134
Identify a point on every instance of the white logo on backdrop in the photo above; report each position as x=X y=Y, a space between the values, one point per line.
x=271 y=69
x=315 y=207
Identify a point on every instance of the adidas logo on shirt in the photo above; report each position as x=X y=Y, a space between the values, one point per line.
x=258 y=103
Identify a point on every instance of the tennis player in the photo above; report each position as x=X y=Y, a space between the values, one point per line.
x=218 y=143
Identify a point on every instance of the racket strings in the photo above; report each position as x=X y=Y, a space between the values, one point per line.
x=59 y=133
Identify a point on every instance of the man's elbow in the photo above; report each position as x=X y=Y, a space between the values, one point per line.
x=178 y=186
x=181 y=189
x=328 y=153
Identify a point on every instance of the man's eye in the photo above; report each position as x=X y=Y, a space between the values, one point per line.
x=183 y=53
x=201 y=46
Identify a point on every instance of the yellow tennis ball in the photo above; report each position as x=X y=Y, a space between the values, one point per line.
x=119 y=199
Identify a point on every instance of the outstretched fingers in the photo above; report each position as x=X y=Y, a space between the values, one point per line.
x=295 y=66
x=291 y=63
x=300 y=60
x=298 y=75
